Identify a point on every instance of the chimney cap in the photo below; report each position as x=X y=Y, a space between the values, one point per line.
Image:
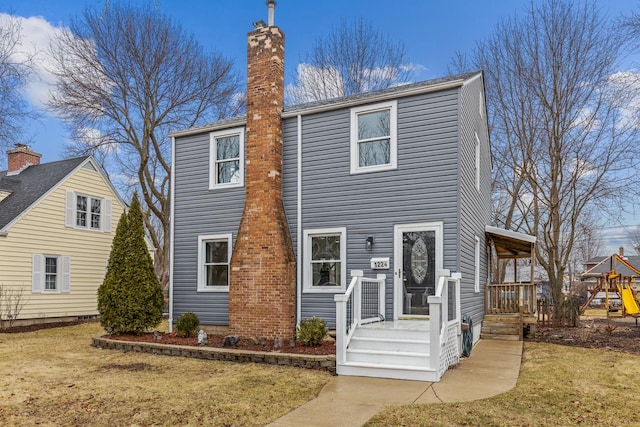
x=271 y=4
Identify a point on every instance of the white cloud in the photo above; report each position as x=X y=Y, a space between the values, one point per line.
x=36 y=35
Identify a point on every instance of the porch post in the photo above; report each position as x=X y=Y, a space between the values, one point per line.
x=341 y=327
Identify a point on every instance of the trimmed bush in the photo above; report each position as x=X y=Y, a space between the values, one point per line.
x=187 y=325
x=130 y=299
x=312 y=331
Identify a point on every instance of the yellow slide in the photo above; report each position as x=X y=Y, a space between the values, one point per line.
x=630 y=303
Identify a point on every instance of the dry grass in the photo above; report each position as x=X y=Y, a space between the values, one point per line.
x=558 y=386
x=54 y=377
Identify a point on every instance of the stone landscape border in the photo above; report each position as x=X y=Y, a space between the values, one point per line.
x=321 y=363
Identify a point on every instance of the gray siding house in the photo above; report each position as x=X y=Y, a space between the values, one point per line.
x=370 y=211
x=432 y=187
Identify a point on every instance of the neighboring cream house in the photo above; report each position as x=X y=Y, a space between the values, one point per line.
x=57 y=221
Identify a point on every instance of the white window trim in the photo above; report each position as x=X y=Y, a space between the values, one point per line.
x=201 y=240
x=213 y=185
x=477 y=161
x=71 y=219
x=63 y=274
x=476 y=282
x=392 y=106
x=308 y=271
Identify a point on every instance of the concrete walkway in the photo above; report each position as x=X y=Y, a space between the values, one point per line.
x=493 y=368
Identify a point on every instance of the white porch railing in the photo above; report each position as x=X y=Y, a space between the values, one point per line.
x=444 y=317
x=363 y=302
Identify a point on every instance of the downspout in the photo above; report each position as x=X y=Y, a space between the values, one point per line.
x=171 y=227
x=299 y=225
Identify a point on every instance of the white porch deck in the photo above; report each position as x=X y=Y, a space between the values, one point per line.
x=400 y=325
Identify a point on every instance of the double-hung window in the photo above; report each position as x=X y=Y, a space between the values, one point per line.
x=88 y=212
x=226 y=158
x=214 y=256
x=325 y=264
x=374 y=137
x=93 y=213
x=50 y=273
x=476 y=276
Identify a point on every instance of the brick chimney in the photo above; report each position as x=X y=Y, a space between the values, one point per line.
x=262 y=291
x=20 y=158
x=621 y=251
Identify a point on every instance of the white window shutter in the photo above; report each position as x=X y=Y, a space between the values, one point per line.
x=69 y=219
x=66 y=274
x=106 y=218
x=37 y=267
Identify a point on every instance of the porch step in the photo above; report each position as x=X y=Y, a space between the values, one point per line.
x=502 y=327
x=381 y=357
x=389 y=350
x=379 y=370
x=389 y=344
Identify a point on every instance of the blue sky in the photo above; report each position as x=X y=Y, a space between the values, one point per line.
x=432 y=31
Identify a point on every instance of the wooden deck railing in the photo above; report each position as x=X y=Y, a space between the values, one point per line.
x=508 y=298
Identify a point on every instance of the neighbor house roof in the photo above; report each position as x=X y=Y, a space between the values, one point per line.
x=347 y=101
x=627 y=266
x=30 y=185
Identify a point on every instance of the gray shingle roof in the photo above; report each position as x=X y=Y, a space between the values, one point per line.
x=31 y=184
x=400 y=90
x=611 y=261
x=374 y=94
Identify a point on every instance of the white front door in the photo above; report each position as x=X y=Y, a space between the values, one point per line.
x=418 y=252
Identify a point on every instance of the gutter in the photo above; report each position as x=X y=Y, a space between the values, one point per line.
x=3 y=234
x=171 y=228
x=299 y=225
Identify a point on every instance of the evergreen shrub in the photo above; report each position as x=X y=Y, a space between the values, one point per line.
x=312 y=331
x=130 y=299
x=188 y=324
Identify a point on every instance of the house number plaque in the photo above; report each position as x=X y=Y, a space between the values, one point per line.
x=380 y=263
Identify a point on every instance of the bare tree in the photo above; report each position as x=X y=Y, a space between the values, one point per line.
x=353 y=58
x=563 y=141
x=15 y=70
x=128 y=75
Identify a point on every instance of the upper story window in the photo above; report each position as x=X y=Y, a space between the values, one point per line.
x=374 y=137
x=214 y=256
x=92 y=213
x=226 y=158
x=88 y=212
x=325 y=264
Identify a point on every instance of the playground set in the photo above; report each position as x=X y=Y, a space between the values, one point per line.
x=615 y=276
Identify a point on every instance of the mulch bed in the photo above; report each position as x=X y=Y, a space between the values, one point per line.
x=38 y=326
x=327 y=347
x=610 y=334
x=620 y=335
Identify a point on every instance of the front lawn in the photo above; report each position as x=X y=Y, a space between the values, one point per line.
x=54 y=377
x=558 y=386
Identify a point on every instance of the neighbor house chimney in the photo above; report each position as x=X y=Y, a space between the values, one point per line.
x=20 y=158
x=262 y=287
x=621 y=251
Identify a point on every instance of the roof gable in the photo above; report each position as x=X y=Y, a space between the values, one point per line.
x=30 y=185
